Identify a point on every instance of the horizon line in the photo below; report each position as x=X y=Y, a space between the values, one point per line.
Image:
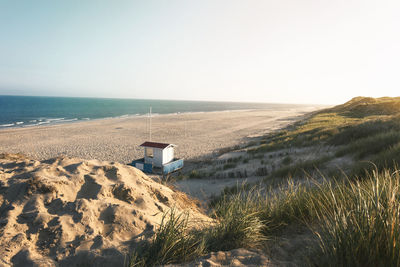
x=158 y=99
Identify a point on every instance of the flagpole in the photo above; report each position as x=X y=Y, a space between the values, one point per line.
x=150 y=123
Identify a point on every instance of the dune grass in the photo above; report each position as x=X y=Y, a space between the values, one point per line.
x=356 y=223
x=343 y=124
x=172 y=242
x=355 y=220
x=237 y=224
x=371 y=145
x=359 y=222
x=389 y=158
x=300 y=169
x=366 y=129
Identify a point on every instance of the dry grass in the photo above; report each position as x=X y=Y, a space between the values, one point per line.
x=355 y=220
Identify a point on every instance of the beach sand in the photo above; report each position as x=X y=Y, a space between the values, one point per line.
x=77 y=209
x=118 y=139
x=75 y=212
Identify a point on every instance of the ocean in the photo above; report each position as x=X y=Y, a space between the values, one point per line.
x=26 y=111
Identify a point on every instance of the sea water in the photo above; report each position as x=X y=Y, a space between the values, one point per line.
x=26 y=111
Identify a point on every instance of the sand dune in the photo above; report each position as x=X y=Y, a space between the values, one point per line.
x=68 y=211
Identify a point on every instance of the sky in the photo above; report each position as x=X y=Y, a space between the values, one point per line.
x=281 y=51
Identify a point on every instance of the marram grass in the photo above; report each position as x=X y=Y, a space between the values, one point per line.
x=359 y=222
x=237 y=224
x=172 y=242
x=355 y=222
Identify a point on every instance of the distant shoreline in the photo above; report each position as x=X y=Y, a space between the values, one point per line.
x=197 y=134
x=26 y=111
x=61 y=121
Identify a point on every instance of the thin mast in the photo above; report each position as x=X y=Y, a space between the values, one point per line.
x=150 y=124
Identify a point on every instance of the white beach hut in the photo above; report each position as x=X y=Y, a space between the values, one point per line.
x=158 y=158
x=158 y=154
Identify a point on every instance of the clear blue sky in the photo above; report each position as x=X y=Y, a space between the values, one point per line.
x=293 y=51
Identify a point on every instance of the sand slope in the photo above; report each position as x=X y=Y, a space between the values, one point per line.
x=68 y=211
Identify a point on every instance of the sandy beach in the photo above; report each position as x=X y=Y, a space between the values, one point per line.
x=83 y=207
x=118 y=139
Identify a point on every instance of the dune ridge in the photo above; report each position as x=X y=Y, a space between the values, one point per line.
x=69 y=211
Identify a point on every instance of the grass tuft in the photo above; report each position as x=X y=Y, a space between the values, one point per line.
x=359 y=222
x=300 y=169
x=172 y=243
x=239 y=223
x=356 y=222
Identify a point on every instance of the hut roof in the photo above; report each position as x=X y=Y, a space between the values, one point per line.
x=156 y=145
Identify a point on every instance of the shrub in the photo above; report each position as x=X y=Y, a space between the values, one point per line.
x=387 y=159
x=371 y=145
x=234 y=160
x=287 y=160
x=196 y=174
x=301 y=168
x=229 y=166
x=262 y=171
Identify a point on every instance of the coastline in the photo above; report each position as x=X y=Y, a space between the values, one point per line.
x=61 y=121
x=43 y=122
x=28 y=111
x=197 y=134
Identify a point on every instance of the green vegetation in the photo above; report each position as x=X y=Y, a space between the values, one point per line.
x=339 y=125
x=234 y=160
x=171 y=243
x=371 y=145
x=261 y=171
x=237 y=224
x=355 y=220
x=359 y=223
x=287 y=160
x=356 y=223
x=229 y=165
x=197 y=174
x=366 y=129
x=300 y=169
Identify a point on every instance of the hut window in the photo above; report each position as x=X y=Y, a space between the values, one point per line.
x=149 y=152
